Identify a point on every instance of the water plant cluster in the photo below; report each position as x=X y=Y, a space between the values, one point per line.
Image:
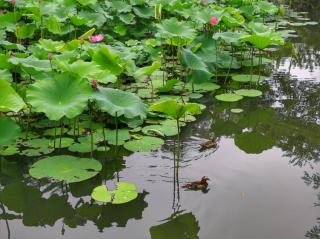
x=84 y=77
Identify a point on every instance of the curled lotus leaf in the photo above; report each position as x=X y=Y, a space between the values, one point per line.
x=9 y=99
x=9 y=131
x=120 y=103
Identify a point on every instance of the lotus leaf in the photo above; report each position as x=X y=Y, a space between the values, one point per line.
x=120 y=103
x=174 y=109
x=124 y=193
x=123 y=135
x=66 y=168
x=108 y=60
x=249 y=92
x=145 y=144
x=229 y=97
x=9 y=99
x=248 y=78
x=9 y=131
x=66 y=95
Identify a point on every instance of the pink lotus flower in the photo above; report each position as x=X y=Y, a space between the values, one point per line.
x=94 y=84
x=97 y=38
x=13 y=2
x=214 y=20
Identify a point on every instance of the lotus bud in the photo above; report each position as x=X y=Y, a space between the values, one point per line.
x=214 y=21
x=81 y=41
x=13 y=2
x=94 y=84
x=50 y=56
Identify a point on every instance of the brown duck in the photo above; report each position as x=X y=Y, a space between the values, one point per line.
x=211 y=143
x=198 y=185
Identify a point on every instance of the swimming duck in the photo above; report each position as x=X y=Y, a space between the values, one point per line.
x=198 y=185
x=211 y=143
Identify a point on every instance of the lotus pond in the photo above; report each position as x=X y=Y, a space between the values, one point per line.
x=107 y=109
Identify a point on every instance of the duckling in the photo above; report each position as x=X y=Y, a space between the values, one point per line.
x=211 y=143
x=198 y=185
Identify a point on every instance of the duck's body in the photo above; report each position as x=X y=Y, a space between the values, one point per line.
x=198 y=185
x=211 y=143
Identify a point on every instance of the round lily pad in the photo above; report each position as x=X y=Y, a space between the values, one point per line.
x=11 y=150
x=81 y=148
x=229 y=97
x=66 y=168
x=248 y=78
x=160 y=130
x=236 y=111
x=249 y=92
x=145 y=144
x=65 y=142
x=124 y=193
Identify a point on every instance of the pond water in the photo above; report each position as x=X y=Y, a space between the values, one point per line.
x=265 y=180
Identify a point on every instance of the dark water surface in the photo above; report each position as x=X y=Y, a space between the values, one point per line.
x=265 y=181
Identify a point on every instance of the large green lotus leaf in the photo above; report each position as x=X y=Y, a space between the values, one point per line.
x=33 y=63
x=123 y=135
x=108 y=60
x=174 y=109
x=5 y=74
x=254 y=142
x=161 y=130
x=248 y=92
x=266 y=7
x=248 y=78
x=173 y=29
x=66 y=168
x=120 y=103
x=83 y=68
x=205 y=86
x=9 y=131
x=145 y=144
x=148 y=70
x=180 y=227
x=192 y=61
x=229 y=97
x=264 y=40
x=66 y=95
x=25 y=31
x=125 y=192
x=231 y=38
x=9 y=99
x=50 y=45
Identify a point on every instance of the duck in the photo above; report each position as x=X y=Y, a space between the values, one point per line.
x=198 y=185
x=211 y=143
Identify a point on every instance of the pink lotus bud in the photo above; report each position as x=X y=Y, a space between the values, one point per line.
x=13 y=2
x=94 y=84
x=50 y=56
x=214 y=20
x=81 y=41
x=97 y=38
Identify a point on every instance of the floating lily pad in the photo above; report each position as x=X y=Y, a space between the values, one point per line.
x=248 y=78
x=9 y=131
x=66 y=168
x=82 y=147
x=160 y=130
x=145 y=144
x=205 y=86
x=249 y=92
x=124 y=193
x=65 y=142
x=229 y=97
x=11 y=150
x=236 y=111
x=123 y=135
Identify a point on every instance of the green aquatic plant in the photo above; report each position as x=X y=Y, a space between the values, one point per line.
x=64 y=96
x=125 y=192
x=65 y=168
x=9 y=131
x=9 y=99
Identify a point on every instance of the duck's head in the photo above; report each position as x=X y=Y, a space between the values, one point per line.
x=204 y=179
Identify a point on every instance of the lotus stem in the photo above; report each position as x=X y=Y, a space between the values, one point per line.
x=61 y=132
x=104 y=140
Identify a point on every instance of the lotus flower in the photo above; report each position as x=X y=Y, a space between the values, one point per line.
x=13 y=2
x=97 y=38
x=214 y=20
x=94 y=84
